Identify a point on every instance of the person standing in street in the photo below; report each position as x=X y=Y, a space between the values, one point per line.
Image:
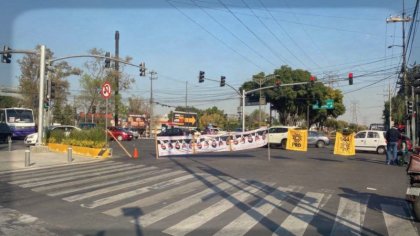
x=392 y=136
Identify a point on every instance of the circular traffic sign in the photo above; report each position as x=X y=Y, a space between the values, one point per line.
x=106 y=90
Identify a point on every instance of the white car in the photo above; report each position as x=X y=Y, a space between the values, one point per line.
x=277 y=135
x=32 y=138
x=370 y=140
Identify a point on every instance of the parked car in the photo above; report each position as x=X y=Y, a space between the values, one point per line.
x=67 y=129
x=278 y=135
x=120 y=133
x=175 y=132
x=318 y=139
x=370 y=140
x=214 y=131
x=134 y=131
x=87 y=125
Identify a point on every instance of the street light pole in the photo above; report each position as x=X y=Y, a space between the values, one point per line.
x=41 y=95
x=152 y=77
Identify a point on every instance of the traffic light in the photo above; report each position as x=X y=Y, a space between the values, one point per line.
x=46 y=104
x=409 y=107
x=53 y=90
x=278 y=83
x=201 y=77
x=6 y=57
x=107 y=60
x=142 y=69
x=350 y=78
x=312 y=80
x=222 y=81
x=416 y=83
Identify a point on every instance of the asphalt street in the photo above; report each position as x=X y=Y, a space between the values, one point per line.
x=230 y=193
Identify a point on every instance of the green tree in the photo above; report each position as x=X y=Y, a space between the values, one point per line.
x=94 y=77
x=6 y=101
x=254 y=117
x=292 y=102
x=29 y=79
x=138 y=106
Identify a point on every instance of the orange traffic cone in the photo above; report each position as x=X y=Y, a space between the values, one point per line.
x=136 y=153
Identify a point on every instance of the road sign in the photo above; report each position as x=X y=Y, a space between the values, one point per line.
x=106 y=90
x=329 y=104
x=185 y=119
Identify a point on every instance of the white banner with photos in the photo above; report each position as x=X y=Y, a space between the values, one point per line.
x=234 y=141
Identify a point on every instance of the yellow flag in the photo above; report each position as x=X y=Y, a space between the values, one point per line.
x=344 y=144
x=297 y=140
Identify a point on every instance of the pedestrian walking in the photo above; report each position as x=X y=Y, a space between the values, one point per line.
x=392 y=137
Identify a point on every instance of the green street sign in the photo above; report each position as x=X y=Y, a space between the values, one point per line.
x=328 y=104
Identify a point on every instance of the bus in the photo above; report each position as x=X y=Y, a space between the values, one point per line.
x=20 y=121
x=377 y=126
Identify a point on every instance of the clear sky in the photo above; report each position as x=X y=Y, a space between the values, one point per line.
x=236 y=39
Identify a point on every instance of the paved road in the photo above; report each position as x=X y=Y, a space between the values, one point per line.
x=241 y=193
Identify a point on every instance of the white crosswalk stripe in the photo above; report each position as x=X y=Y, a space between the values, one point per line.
x=51 y=171
x=297 y=222
x=185 y=203
x=191 y=223
x=167 y=200
x=90 y=180
x=36 y=182
x=162 y=175
x=163 y=196
x=248 y=219
x=136 y=192
x=350 y=216
x=72 y=173
x=116 y=178
x=397 y=221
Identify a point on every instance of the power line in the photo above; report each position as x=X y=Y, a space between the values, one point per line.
x=214 y=36
x=234 y=35
x=253 y=33
x=275 y=36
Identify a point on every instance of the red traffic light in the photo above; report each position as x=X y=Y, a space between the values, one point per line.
x=313 y=78
x=350 y=78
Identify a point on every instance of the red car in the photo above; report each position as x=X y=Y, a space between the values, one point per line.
x=119 y=133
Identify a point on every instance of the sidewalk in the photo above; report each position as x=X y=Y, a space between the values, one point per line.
x=15 y=160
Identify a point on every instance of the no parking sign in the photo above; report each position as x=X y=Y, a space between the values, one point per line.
x=106 y=90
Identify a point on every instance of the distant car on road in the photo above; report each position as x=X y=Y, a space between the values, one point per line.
x=370 y=140
x=277 y=135
x=67 y=129
x=134 y=131
x=175 y=132
x=318 y=139
x=120 y=133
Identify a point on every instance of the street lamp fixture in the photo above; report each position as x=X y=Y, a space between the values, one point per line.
x=390 y=46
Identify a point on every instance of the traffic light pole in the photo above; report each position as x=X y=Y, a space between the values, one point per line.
x=41 y=95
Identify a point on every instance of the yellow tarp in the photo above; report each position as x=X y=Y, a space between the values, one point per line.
x=297 y=140
x=344 y=144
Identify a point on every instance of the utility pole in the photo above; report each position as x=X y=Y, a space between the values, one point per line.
x=117 y=79
x=152 y=77
x=41 y=95
x=403 y=19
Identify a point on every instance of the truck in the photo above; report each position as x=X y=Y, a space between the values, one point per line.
x=139 y=123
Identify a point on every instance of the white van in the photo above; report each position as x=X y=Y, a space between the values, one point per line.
x=278 y=135
x=371 y=140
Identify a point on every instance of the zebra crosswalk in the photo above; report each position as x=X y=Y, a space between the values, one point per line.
x=178 y=202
